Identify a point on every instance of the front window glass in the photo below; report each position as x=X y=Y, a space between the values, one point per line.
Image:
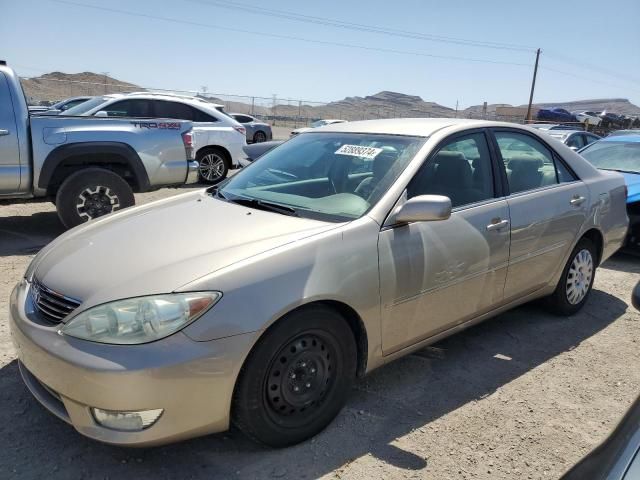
x=330 y=176
x=86 y=106
x=461 y=170
x=621 y=156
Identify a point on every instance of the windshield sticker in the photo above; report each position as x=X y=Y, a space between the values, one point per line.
x=358 y=151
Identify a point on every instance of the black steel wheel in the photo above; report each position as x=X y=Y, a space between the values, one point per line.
x=296 y=379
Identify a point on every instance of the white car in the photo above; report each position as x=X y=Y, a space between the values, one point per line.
x=591 y=118
x=218 y=138
x=316 y=124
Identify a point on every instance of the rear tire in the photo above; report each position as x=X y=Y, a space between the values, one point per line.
x=259 y=137
x=213 y=165
x=296 y=379
x=576 y=282
x=91 y=193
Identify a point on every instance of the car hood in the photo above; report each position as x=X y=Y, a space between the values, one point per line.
x=632 y=180
x=159 y=247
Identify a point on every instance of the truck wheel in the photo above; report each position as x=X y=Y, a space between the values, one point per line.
x=91 y=193
x=213 y=165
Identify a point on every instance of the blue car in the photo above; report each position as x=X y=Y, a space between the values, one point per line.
x=555 y=114
x=621 y=154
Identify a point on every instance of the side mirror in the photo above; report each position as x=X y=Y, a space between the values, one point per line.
x=424 y=208
x=574 y=148
x=101 y=113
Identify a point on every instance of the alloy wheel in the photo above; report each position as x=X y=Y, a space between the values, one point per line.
x=94 y=202
x=211 y=167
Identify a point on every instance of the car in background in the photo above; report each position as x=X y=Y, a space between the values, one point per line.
x=555 y=114
x=574 y=139
x=256 y=150
x=621 y=154
x=37 y=109
x=619 y=133
x=552 y=126
x=613 y=120
x=218 y=138
x=316 y=124
x=590 y=118
x=260 y=301
x=257 y=131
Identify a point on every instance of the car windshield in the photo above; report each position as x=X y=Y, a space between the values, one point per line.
x=84 y=107
x=621 y=156
x=328 y=176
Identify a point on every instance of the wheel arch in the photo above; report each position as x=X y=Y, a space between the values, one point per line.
x=597 y=238
x=70 y=158
x=213 y=148
x=350 y=316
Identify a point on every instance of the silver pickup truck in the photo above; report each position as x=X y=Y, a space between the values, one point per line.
x=87 y=166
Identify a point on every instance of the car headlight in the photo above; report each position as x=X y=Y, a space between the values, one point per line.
x=140 y=320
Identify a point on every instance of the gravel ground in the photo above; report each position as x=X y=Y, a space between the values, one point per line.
x=524 y=395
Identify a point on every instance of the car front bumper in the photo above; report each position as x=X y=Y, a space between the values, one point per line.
x=191 y=381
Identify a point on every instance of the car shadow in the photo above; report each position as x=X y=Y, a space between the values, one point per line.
x=25 y=235
x=623 y=261
x=406 y=395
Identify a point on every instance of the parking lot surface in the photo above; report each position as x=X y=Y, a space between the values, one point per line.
x=524 y=395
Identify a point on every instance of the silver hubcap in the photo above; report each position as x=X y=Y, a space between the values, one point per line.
x=94 y=202
x=259 y=137
x=211 y=167
x=579 y=276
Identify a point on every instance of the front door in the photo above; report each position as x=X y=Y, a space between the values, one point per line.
x=548 y=205
x=435 y=275
x=9 y=148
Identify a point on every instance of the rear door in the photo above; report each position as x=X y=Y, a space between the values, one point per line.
x=548 y=206
x=9 y=147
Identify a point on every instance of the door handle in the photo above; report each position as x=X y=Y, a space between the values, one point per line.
x=497 y=225
x=4 y=132
x=577 y=200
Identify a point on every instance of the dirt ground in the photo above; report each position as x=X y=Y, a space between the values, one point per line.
x=522 y=396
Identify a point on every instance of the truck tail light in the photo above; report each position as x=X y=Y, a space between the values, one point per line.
x=240 y=129
x=187 y=140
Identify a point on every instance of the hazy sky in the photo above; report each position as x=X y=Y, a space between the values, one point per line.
x=585 y=38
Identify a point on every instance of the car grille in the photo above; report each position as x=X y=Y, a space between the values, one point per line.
x=53 y=306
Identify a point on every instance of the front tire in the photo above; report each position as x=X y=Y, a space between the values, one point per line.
x=296 y=379
x=576 y=281
x=91 y=193
x=213 y=166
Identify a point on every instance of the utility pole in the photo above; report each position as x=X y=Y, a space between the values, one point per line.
x=456 y=108
x=533 y=86
x=104 y=74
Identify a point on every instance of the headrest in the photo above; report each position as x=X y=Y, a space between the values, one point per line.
x=528 y=164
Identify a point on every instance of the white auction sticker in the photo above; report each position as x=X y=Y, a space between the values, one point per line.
x=358 y=151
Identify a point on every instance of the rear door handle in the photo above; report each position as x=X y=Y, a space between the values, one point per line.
x=577 y=200
x=4 y=132
x=497 y=225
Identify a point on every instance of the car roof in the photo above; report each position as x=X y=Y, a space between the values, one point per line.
x=419 y=127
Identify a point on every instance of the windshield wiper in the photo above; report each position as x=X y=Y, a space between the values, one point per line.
x=215 y=192
x=262 y=205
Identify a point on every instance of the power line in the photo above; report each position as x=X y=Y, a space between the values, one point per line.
x=362 y=27
x=587 y=79
x=289 y=37
x=595 y=68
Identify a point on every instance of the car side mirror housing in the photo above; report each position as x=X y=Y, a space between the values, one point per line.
x=101 y=113
x=575 y=149
x=424 y=208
